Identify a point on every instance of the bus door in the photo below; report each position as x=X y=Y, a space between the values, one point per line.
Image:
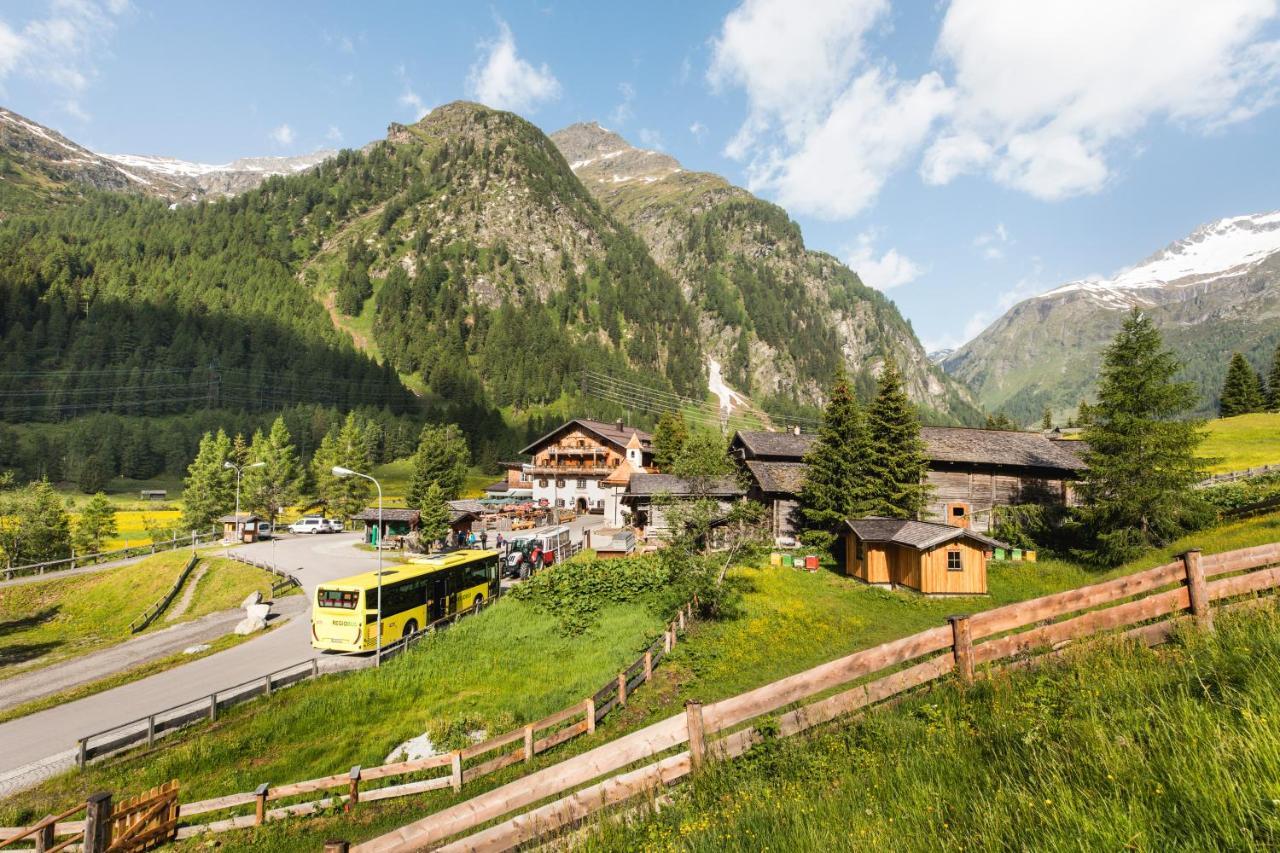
x=438 y=597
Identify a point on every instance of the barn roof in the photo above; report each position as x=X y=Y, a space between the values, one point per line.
x=243 y=518
x=647 y=485
x=371 y=514
x=610 y=433
x=781 y=477
x=942 y=444
x=467 y=505
x=920 y=535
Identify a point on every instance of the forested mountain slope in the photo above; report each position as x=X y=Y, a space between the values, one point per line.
x=779 y=317
x=1213 y=292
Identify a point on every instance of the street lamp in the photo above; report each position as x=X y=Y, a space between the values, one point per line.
x=339 y=471
x=239 y=469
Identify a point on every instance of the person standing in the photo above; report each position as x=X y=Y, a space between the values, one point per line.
x=484 y=539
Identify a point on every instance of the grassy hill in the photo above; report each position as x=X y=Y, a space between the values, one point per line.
x=1245 y=441
x=1113 y=748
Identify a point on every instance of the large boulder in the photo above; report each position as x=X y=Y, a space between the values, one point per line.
x=258 y=611
x=250 y=624
x=253 y=598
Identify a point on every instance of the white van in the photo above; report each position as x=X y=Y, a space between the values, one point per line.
x=311 y=524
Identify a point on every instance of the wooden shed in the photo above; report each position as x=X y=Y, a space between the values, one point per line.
x=936 y=559
x=240 y=528
x=395 y=522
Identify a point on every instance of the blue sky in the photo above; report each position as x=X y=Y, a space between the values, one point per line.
x=960 y=155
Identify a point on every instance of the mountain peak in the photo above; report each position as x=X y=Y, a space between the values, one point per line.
x=597 y=154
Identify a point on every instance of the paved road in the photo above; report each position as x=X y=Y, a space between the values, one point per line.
x=53 y=733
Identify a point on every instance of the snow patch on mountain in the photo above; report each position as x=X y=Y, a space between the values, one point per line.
x=1208 y=253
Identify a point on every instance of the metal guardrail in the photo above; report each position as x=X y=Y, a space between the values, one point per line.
x=147 y=729
x=149 y=615
x=81 y=560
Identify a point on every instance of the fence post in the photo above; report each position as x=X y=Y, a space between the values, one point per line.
x=213 y=707
x=1198 y=589
x=266 y=683
x=97 y=823
x=697 y=733
x=528 y=740
x=666 y=641
x=260 y=806
x=962 y=645
x=622 y=687
x=315 y=667
x=648 y=665
x=82 y=754
x=45 y=837
x=590 y=712
x=456 y=778
x=151 y=730
x=680 y=618
x=337 y=846
x=353 y=787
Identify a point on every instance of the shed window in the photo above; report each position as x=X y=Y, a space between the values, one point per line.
x=954 y=563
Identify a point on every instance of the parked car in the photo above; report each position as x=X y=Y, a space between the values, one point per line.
x=311 y=524
x=335 y=525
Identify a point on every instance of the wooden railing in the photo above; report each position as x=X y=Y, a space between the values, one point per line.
x=80 y=560
x=447 y=770
x=286 y=580
x=1242 y=474
x=149 y=615
x=1148 y=605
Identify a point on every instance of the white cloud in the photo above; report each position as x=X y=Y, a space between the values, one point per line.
x=60 y=50
x=651 y=138
x=699 y=130
x=892 y=269
x=993 y=242
x=623 y=112
x=502 y=80
x=1045 y=92
x=411 y=99
x=282 y=135
x=334 y=134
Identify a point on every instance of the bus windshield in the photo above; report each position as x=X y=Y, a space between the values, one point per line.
x=343 y=599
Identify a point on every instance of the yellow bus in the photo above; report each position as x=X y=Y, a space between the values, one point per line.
x=344 y=616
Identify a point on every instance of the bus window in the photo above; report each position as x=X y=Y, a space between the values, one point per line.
x=343 y=599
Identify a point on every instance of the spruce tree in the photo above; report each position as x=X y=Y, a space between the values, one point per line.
x=344 y=496
x=278 y=483
x=95 y=525
x=1140 y=450
x=433 y=522
x=1240 y=393
x=1046 y=420
x=835 y=483
x=669 y=438
x=1273 y=382
x=896 y=460
x=34 y=526
x=442 y=459
x=209 y=488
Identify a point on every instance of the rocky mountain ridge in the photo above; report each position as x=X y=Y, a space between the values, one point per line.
x=1212 y=292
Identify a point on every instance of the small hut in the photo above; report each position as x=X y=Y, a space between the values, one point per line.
x=936 y=559
x=240 y=528
x=395 y=522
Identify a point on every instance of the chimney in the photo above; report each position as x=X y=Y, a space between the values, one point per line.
x=619 y=424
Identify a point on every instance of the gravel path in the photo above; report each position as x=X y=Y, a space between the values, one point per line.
x=184 y=603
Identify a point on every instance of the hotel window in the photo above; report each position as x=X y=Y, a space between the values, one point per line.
x=560 y=502
x=599 y=504
x=954 y=563
x=559 y=483
x=542 y=484
x=582 y=484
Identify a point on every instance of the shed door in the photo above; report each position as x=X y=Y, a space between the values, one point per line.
x=958 y=514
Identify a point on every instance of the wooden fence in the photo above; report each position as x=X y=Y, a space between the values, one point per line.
x=1148 y=606
x=78 y=560
x=448 y=770
x=286 y=580
x=134 y=824
x=149 y=615
x=1242 y=474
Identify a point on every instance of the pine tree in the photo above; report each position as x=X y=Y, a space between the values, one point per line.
x=96 y=524
x=669 y=438
x=1240 y=393
x=1139 y=450
x=209 y=488
x=896 y=464
x=344 y=496
x=34 y=526
x=1046 y=420
x=442 y=459
x=835 y=484
x=1273 y=382
x=278 y=483
x=434 y=521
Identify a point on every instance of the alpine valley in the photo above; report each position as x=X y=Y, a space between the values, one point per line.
x=459 y=265
x=1212 y=293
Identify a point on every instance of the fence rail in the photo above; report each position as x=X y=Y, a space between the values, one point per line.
x=447 y=770
x=1147 y=606
x=149 y=615
x=79 y=560
x=1242 y=474
x=286 y=580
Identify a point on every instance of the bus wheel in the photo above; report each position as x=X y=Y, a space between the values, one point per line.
x=410 y=628
x=477 y=603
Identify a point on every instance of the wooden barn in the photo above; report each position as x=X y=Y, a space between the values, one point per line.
x=396 y=523
x=971 y=472
x=240 y=528
x=935 y=559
